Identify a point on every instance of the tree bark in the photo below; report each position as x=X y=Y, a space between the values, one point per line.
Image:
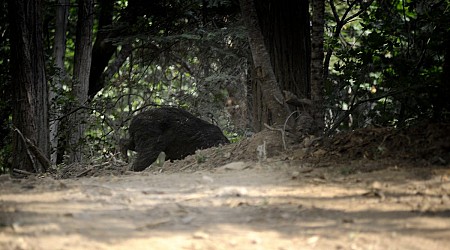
x=264 y=76
x=82 y=66
x=285 y=27
x=30 y=114
x=59 y=52
x=317 y=64
x=102 y=50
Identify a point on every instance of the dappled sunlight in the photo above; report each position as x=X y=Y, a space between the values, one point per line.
x=253 y=208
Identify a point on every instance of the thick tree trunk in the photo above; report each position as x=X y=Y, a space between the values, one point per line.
x=59 y=52
x=30 y=115
x=317 y=64
x=82 y=66
x=264 y=76
x=285 y=27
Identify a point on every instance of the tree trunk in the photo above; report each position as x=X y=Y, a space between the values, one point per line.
x=82 y=66
x=59 y=52
x=317 y=57
x=285 y=27
x=102 y=50
x=30 y=114
x=264 y=76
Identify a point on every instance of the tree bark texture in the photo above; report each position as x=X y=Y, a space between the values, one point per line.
x=285 y=27
x=263 y=74
x=82 y=66
x=30 y=114
x=59 y=52
x=317 y=63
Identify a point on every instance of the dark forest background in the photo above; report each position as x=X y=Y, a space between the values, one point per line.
x=73 y=73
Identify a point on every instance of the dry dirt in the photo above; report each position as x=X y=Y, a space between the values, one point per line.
x=368 y=189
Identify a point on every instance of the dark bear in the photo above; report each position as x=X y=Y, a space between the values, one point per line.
x=173 y=131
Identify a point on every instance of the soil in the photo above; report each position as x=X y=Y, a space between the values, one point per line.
x=374 y=188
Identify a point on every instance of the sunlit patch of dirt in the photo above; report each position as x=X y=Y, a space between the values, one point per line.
x=373 y=188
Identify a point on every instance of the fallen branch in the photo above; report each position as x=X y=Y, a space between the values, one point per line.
x=19 y=171
x=84 y=172
x=32 y=148
x=24 y=140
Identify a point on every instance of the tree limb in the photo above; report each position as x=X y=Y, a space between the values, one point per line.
x=354 y=106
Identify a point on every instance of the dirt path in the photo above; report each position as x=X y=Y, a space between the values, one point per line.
x=239 y=206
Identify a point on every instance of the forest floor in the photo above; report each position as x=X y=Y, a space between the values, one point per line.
x=367 y=189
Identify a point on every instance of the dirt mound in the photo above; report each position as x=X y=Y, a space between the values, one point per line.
x=260 y=147
x=427 y=143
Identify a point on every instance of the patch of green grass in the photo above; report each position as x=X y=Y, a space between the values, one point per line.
x=200 y=158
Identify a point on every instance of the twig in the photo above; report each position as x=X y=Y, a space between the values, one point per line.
x=284 y=128
x=282 y=134
x=26 y=148
x=101 y=164
x=22 y=171
x=30 y=146
x=186 y=167
x=287 y=119
x=354 y=106
x=278 y=100
x=84 y=172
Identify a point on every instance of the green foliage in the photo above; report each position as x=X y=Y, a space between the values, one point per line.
x=234 y=136
x=182 y=56
x=5 y=155
x=200 y=158
x=387 y=65
x=193 y=70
